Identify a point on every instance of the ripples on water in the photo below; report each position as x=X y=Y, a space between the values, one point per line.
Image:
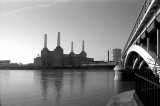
x=59 y=88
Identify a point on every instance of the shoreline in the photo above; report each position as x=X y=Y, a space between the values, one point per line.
x=56 y=67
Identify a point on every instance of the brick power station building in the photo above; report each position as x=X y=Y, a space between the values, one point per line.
x=58 y=58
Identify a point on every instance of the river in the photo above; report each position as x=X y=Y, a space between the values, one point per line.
x=59 y=87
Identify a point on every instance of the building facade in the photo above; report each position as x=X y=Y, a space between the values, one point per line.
x=116 y=54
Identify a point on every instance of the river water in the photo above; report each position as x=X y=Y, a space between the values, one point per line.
x=59 y=87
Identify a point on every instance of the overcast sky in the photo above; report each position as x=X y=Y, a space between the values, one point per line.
x=102 y=24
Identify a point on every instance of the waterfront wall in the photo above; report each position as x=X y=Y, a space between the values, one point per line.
x=56 y=67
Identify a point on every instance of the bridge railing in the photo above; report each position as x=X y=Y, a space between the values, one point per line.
x=147 y=87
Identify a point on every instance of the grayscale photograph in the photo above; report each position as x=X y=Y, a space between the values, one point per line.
x=79 y=52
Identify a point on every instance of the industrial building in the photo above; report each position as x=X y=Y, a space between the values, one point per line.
x=58 y=58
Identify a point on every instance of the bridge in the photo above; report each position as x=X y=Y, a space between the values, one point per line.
x=143 y=46
x=141 y=54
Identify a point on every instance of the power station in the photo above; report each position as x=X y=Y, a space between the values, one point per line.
x=58 y=58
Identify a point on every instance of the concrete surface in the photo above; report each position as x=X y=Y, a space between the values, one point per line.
x=122 y=99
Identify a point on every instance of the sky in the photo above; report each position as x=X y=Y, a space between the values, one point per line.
x=103 y=25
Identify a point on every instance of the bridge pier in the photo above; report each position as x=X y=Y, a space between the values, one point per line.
x=123 y=75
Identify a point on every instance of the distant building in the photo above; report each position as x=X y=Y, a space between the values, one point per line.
x=7 y=64
x=4 y=63
x=14 y=65
x=116 y=54
x=58 y=58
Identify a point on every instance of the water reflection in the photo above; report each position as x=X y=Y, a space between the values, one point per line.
x=82 y=80
x=44 y=85
x=75 y=78
x=71 y=81
x=0 y=95
x=51 y=80
x=0 y=87
x=58 y=80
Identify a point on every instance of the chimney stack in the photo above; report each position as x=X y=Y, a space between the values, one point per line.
x=72 y=46
x=45 y=41
x=108 y=55
x=58 y=39
x=83 y=45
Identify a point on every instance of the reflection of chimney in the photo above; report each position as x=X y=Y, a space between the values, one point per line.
x=72 y=46
x=108 y=55
x=83 y=45
x=58 y=39
x=45 y=41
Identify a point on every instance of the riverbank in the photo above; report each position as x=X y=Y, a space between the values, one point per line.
x=57 y=67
